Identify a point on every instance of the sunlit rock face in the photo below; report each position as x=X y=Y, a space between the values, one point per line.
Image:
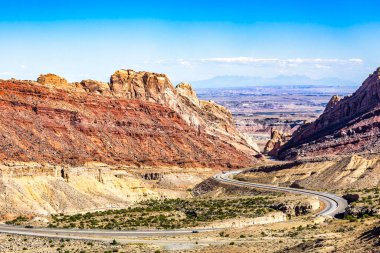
x=347 y=126
x=137 y=119
x=53 y=80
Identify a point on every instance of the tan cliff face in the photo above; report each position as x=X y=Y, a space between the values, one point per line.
x=185 y=90
x=341 y=172
x=200 y=115
x=347 y=126
x=147 y=86
x=138 y=119
x=53 y=80
x=30 y=188
x=276 y=141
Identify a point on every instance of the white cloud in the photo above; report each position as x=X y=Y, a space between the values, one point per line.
x=356 y=60
x=7 y=74
x=244 y=60
x=182 y=62
x=320 y=66
x=289 y=61
x=319 y=63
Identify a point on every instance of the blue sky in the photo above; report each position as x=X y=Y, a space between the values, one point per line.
x=192 y=40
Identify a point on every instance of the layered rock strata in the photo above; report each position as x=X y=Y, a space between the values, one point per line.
x=347 y=126
x=138 y=119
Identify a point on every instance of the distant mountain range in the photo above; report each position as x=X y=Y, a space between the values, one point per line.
x=242 y=81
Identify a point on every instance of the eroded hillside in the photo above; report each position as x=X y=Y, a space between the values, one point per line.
x=42 y=189
x=347 y=126
x=138 y=119
x=69 y=147
x=346 y=172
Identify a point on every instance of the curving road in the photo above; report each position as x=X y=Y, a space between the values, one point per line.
x=332 y=204
x=92 y=233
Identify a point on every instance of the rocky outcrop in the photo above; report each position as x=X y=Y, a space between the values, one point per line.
x=276 y=141
x=147 y=86
x=293 y=209
x=53 y=80
x=200 y=115
x=347 y=126
x=152 y=176
x=185 y=90
x=360 y=211
x=95 y=86
x=139 y=119
x=332 y=103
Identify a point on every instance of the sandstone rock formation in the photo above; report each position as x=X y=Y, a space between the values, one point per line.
x=204 y=116
x=41 y=188
x=147 y=86
x=349 y=125
x=140 y=119
x=276 y=141
x=95 y=86
x=53 y=80
x=293 y=209
x=185 y=90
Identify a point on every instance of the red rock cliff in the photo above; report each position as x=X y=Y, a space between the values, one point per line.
x=138 y=119
x=349 y=125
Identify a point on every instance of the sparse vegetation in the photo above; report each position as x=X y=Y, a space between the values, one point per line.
x=18 y=221
x=167 y=214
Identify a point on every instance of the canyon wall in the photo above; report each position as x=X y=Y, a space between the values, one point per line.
x=347 y=126
x=138 y=119
x=90 y=145
x=30 y=188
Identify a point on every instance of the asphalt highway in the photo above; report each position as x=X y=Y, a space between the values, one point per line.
x=332 y=204
x=90 y=233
